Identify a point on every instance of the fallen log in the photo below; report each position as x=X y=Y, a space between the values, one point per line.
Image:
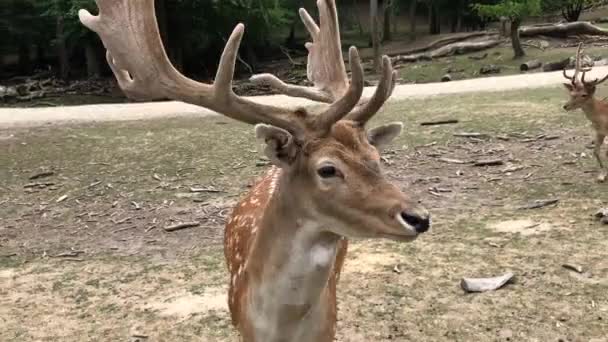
x=562 y=30
x=442 y=42
x=446 y=78
x=555 y=66
x=531 y=65
x=460 y=48
x=489 y=69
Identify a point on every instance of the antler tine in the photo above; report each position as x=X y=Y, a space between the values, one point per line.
x=136 y=55
x=292 y=90
x=365 y=111
x=571 y=78
x=339 y=109
x=325 y=67
x=577 y=63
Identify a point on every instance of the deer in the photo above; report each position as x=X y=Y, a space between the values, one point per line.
x=286 y=240
x=582 y=96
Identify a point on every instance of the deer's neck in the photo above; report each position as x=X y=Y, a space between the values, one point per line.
x=289 y=267
x=596 y=110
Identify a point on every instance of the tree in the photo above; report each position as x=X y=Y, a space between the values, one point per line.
x=375 y=32
x=412 y=13
x=388 y=14
x=571 y=9
x=516 y=11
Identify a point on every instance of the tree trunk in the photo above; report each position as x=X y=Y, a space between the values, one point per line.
x=40 y=54
x=503 y=26
x=434 y=23
x=459 y=11
x=291 y=38
x=62 y=50
x=93 y=65
x=358 y=18
x=375 y=34
x=388 y=13
x=518 y=50
x=573 y=11
x=25 y=64
x=413 y=7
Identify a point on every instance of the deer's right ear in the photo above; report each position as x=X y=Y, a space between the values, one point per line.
x=569 y=86
x=280 y=146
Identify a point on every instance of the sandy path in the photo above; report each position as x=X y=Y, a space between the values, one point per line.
x=29 y=117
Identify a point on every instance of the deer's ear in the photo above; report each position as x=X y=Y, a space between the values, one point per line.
x=279 y=144
x=384 y=135
x=569 y=86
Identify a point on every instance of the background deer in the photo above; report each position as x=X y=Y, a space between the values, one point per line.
x=582 y=95
x=285 y=242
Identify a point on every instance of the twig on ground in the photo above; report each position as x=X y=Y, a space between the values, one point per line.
x=489 y=162
x=440 y=122
x=204 y=190
x=452 y=161
x=573 y=267
x=181 y=226
x=540 y=204
x=42 y=174
x=470 y=135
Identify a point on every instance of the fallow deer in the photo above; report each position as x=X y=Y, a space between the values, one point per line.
x=286 y=240
x=582 y=95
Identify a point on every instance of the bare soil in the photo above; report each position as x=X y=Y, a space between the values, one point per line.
x=84 y=257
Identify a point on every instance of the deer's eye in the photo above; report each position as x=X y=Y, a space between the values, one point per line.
x=584 y=95
x=328 y=172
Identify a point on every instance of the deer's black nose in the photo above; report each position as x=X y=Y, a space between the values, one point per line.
x=421 y=223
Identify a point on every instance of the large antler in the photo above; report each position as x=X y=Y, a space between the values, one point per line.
x=326 y=69
x=129 y=31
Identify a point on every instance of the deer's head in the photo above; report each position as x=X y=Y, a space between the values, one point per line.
x=580 y=90
x=331 y=160
x=338 y=179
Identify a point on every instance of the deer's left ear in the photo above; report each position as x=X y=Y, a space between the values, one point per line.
x=280 y=146
x=384 y=135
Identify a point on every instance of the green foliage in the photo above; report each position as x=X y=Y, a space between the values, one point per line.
x=513 y=9
x=559 y=5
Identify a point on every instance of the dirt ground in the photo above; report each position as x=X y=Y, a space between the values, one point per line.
x=84 y=257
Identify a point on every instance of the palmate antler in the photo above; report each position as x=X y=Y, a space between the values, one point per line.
x=578 y=69
x=129 y=31
x=326 y=69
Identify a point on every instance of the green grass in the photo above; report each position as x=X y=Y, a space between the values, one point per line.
x=462 y=67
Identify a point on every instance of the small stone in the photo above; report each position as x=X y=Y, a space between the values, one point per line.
x=505 y=334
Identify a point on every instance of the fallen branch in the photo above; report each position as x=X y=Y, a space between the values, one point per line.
x=204 y=190
x=460 y=48
x=489 y=162
x=43 y=174
x=486 y=284
x=539 y=204
x=181 y=226
x=470 y=135
x=563 y=30
x=441 y=42
x=452 y=161
x=439 y=122
x=531 y=65
x=572 y=267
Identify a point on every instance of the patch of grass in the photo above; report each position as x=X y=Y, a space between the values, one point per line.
x=462 y=67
